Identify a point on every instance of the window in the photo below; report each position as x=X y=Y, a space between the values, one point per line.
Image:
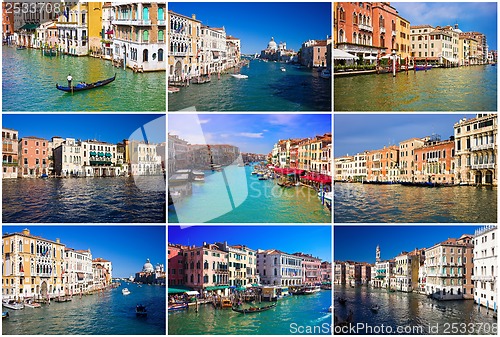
x=160 y=55
x=145 y=36
x=145 y=55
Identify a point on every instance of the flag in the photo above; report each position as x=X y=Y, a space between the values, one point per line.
x=66 y=12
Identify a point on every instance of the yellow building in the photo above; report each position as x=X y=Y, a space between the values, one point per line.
x=72 y=29
x=32 y=267
x=95 y=25
x=403 y=45
x=184 y=34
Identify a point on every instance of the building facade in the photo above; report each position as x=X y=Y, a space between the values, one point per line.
x=435 y=162
x=10 y=152
x=206 y=267
x=485 y=267
x=382 y=164
x=311 y=269
x=33 y=157
x=407 y=160
x=476 y=150
x=78 y=274
x=278 y=268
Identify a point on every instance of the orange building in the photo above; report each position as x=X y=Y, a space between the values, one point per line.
x=33 y=157
x=435 y=162
x=382 y=165
x=7 y=22
x=384 y=24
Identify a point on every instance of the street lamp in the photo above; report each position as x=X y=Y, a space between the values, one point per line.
x=394 y=62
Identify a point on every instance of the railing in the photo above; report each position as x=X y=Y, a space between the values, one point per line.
x=141 y=22
x=382 y=30
x=161 y=22
x=365 y=27
x=482 y=278
x=393 y=33
x=432 y=160
x=483 y=166
x=483 y=147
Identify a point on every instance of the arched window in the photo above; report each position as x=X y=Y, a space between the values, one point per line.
x=161 y=14
x=145 y=36
x=32 y=248
x=160 y=55
x=381 y=21
x=354 y=38
x=354 y=18
x=145 y=13
x=160 y=35
x=341 y=14
x=145 y=55
x=275 y=272
x=20 y=246
x=341 y=35
x=205 y=265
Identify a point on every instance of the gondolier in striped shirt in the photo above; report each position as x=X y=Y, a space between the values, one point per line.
x=69 y=80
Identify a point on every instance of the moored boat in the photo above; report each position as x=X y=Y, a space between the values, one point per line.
x=254 y=309
x=327 y=195
x=85 y=86
x=311 y=290
x=423 y=67
x=125 y=291
x=32 y=304
x=5 y=314
x=177 y=306
x=198 y=176
x=12 y=304
x=325 y=73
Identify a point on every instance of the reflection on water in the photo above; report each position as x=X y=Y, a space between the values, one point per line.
x=456 y=89
x=82 y=200
x=410 y=310
x=396 y=203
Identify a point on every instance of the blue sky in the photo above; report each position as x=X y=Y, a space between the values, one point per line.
x=112 y=128
x=355 y=133
x=251 y=133
x=470 y=16
x=358 y=243
x=314 y=240
x=127 y=247
x=256 y=22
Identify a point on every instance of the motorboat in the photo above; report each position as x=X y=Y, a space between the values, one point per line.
x=325 y=73
x=31 y=304
x=12 y=304
x=177 y=306
x=327 y=195
x=198 y=176
x=125 y=291
x=141 y=310
x=311 y=290
x=226 y=303
x=5 y=314
x=239 y=75
x=282 y=69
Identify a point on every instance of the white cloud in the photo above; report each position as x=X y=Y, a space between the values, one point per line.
x=282 y=119
x=203 y=121
x=251 y=134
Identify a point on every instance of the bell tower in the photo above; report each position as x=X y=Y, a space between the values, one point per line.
x=377 y=254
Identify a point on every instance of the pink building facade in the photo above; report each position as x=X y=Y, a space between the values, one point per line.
x=33 y=157
x=311 y=269
x=206 y=267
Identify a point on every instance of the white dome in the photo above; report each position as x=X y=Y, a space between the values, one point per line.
x=272 y=44
x=148 y=267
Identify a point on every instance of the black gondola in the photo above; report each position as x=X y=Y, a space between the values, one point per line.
x=252 y=310
x=81 y=87
x=140 y=310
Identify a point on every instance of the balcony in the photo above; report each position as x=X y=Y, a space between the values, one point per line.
x=432 y=160
x=141 y=22
x=487 y=278
x=482 y=147
x=365 y=27
x=394 y=33
x=382 y=30
x=162 y=22
x=482 y=166
x=124 y=22
x=6 y=163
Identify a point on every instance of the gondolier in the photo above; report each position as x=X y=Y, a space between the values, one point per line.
x=69 y=80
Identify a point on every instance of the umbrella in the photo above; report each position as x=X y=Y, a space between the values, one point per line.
x=342 y=55
x=370 y=57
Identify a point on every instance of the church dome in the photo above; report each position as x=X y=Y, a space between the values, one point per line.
x=148 y=267
x=272 y=44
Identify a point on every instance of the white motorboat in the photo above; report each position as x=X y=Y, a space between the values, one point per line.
x=325 y=73
x=125 y=291
x=311 y=290
x=282 y=69
x=239 y=75
x=12 y=304
x=327 y=195
x=31 y=304
x=198 y=176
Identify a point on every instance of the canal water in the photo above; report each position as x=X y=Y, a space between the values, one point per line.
x=80 y=200
x=29 y=84
x=396 y=203
x=440 y=89
x=411 y=311
x=267 y=88
x=236 y=196
x=290 y=315
x=109 y=313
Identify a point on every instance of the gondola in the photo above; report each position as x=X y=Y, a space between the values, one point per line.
x=252 y=310
x=81 y=87
x=141 y=310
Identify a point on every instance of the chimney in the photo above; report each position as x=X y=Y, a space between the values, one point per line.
x=26 y=231
x=58 y=240
x=193 y=16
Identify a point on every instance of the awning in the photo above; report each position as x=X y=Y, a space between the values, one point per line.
x=108 y=155
x=178 y=289
x=450 y=60
x=29 y=26
x=255 y=285
x=100 y=154
x=212 y=288
x=93 y=153
x=192 y=293
x=370 y=57
x=241 y=289
x=342 y=55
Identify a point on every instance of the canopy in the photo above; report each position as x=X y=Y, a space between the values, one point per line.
x=216 y=288
x=342 y=55
x=370 y=57
x=241 y=289
x=191 y=293
x=178 y=289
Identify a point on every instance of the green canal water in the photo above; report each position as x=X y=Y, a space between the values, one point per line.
x=292 y=315
x=452 y=89
x=29 y=84
x=235 y=196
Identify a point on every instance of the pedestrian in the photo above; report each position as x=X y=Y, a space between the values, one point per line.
x=69 y=80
